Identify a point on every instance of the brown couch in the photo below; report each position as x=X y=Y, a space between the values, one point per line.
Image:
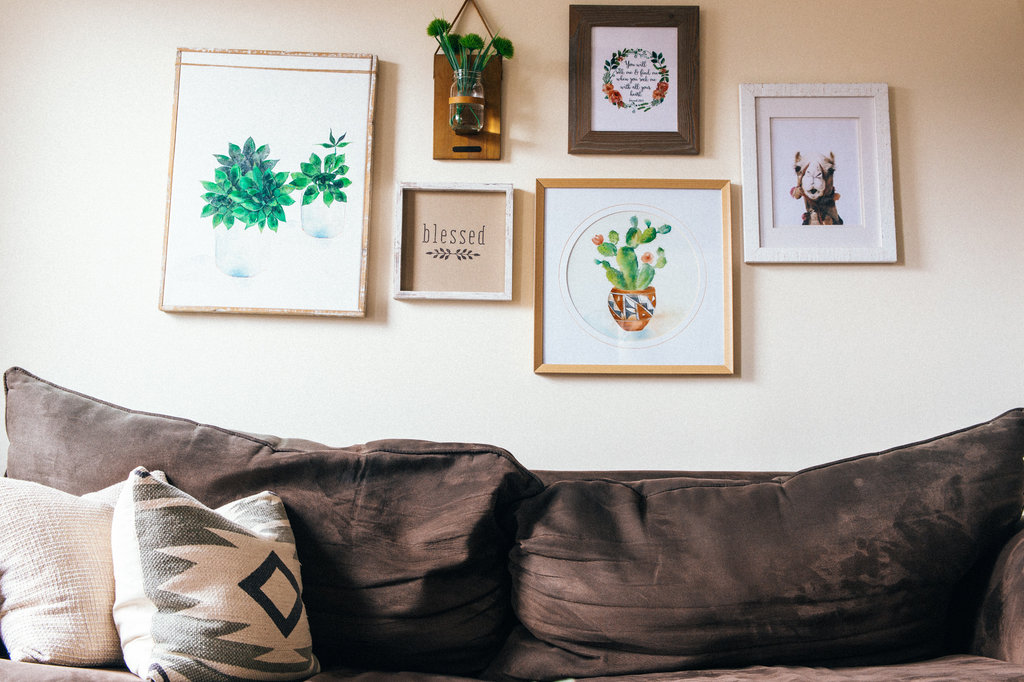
x=443 y=561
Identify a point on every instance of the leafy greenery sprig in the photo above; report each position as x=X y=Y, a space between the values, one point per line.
x=468 y=52
x=633 y=274
x=246 y=188
x=324 y=176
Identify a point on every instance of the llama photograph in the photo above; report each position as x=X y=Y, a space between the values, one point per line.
x=815 y=171
x=816 y=186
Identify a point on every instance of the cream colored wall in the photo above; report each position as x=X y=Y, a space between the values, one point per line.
x=831 y=360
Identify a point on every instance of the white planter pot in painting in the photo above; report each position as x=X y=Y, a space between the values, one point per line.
x=241 y=251
x=323 y=221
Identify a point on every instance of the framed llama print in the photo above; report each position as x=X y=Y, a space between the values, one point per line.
x=817 y=173
x=269 y=194
x=633 y=79
x=633 y=277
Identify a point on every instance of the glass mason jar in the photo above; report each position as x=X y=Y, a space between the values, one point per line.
x=466 y=102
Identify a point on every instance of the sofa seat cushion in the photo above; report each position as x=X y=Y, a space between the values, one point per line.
x=946 y=668
x=848 y=563
x=403 y=543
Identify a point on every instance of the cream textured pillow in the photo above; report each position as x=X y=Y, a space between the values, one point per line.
x=207 y=594
x=56 y=576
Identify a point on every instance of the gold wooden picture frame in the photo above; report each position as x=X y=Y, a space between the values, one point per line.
x=634 y=79
x=633 y=277
x=453 y=241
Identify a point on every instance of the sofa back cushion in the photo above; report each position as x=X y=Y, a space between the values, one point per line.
x=853 y=562
x=403 y=544
x=73 y=442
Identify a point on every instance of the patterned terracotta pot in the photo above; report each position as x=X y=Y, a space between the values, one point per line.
x=632 y=310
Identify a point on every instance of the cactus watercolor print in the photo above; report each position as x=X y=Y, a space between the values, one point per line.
x=633 y=278
x=268 y=199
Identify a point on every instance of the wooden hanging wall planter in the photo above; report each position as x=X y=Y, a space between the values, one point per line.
x=485 y=144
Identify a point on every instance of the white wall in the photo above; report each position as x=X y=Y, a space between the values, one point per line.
x=831 y=360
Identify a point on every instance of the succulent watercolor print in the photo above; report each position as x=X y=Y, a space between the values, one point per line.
x=246 y=189
x=634 y=272
x=324 y=177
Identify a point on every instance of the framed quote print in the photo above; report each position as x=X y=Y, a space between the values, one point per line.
x=633 y=277
x=817 y=173
x=269 y=195
x=634 y=79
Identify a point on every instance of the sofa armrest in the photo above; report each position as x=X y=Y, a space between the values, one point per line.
x=999 y=631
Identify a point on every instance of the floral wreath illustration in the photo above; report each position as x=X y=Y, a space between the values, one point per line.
x=657 y=60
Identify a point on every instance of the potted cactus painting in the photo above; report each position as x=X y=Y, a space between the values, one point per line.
x=323 y=184
x=245 y=193
x=632 y=299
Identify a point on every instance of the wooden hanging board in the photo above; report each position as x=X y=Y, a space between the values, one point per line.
x=485 y=145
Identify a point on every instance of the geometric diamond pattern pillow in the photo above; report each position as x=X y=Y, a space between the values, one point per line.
x=203 y=594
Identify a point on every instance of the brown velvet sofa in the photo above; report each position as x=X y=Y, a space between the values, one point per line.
x=444 y=561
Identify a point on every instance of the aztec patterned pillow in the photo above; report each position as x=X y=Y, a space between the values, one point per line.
x=207 y=594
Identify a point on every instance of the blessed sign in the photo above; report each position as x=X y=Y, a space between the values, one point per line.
x=452 y=242
x=454 y=238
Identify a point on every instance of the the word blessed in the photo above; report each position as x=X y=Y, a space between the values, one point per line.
x=434 y=235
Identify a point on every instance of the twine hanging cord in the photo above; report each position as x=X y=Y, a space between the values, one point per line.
x=480 y=14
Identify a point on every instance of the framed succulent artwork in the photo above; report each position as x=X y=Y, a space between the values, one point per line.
x=633 y=277
x=634 y=79
x=269 y=194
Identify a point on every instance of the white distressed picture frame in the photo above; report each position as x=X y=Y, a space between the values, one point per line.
x=406 y=256
x=817 y=119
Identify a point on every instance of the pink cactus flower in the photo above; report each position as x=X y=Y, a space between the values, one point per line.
x=598 y=239
x=647 y=257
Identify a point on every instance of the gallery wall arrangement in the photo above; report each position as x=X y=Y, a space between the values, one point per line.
x=817 y=174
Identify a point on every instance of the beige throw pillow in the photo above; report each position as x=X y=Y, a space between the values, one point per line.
x=56 y=576
x=207 y=594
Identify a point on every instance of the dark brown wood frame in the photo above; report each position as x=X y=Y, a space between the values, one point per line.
x=583 y=140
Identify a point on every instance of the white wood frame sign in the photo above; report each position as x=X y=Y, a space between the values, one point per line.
x=453 y=241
